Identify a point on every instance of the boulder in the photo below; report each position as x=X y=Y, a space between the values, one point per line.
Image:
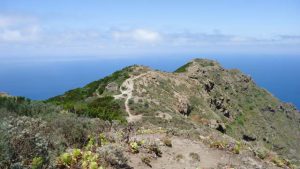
x=209 y=86
x=184 y=107
x=248 y=138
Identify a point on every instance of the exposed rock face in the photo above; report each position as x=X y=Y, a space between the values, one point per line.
x=112 y=87
x=209 y=86
x=249 y=138
x=222 y=128
x=184 y=107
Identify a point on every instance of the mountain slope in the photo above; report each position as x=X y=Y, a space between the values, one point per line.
x=201 y=115
x=204 y=94
x=199 y=93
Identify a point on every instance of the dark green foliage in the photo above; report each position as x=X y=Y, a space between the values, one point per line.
x=118 y=76
x=19 y=105
x=25 y=107
x=183 y=68
x=80 y=94
x=105 y=107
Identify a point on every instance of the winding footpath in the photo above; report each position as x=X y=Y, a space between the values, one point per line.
x=126 y=90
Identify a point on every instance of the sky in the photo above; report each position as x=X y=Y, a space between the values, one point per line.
x=70 y=30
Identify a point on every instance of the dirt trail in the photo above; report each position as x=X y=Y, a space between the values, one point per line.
x=188 y=154
x=126 y=89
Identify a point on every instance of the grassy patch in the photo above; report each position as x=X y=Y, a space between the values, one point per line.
x=105 y=107
x=183 y=68
x=87 y=91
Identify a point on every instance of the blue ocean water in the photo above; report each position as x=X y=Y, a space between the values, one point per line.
x=43 y=79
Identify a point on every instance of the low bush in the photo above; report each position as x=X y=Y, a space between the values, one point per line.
x=134 y=147
x=37 y=163
x=195 y=156
x=155 y=149
x=167 y=142
x=147 y=161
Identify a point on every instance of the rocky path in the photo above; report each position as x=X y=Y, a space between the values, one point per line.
x=188 y=154
x=126 y=92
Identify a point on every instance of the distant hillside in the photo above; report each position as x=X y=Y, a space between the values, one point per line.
x=206 y=94
x=200 y=105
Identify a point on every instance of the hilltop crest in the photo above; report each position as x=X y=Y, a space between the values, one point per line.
x=199 y=95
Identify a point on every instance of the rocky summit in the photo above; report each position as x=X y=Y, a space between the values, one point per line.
x=200 y=116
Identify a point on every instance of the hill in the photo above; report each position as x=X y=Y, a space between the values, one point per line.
x=201 y=115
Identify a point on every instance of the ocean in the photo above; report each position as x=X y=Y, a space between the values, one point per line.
x=44 y=79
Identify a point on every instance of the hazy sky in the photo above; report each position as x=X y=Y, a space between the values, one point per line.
x=52 y=29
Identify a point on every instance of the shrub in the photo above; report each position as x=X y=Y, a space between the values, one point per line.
x=155 y=149
x=237 y=148
x=65 y=159
x=85 y=159
x=21 y=106
x=93 y=165
x=278 y=161
x=26 y=139
x=218 y=145
x=179 y=157
x=113 y=155
x=76 y=153
x=147 y=161
x=106 y=108
x=103 y=139
x=167 y=142
x=37 y=163
x=195 y=156
x=134 y=147
x=262 y=153
x=130 y=101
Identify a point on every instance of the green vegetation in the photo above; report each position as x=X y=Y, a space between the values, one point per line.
x=79 y=129
x=32 y=133
x=183 y=68
x=65 y=159
x=25 y=107
x=261 y=152
x=89 y=90
x=237 y=148
x=85 y=159
x=218 y=145
x=104 y=107
x=147 y=161
x=37 y=163
x=134 y=147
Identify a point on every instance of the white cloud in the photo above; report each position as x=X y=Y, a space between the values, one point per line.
x=18 y=29
x=139 y=35
x=5 y=21
x=19 y=35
